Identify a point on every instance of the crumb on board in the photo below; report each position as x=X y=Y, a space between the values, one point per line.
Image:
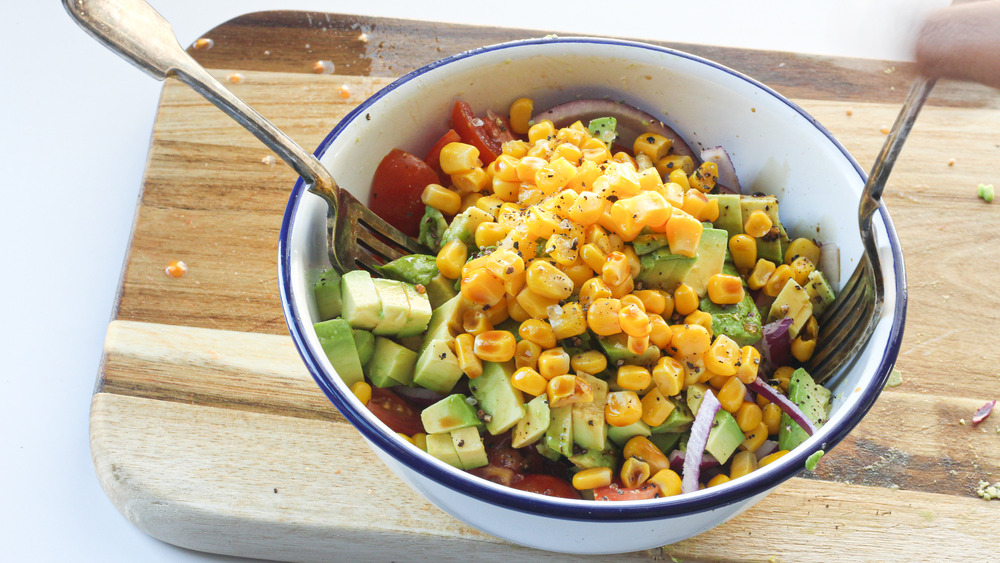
x=176 y=269
x=203 y=43
x=895 y=378
x=269 y=160
x=235 y=78
x=986 y=491
x=951 y=162
x=850 y=112
x=884 y=130
x=986 y=192
x=323 y=67
x=344 y=91
x=813 y=460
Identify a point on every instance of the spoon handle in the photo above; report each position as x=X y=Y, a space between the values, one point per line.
x=140 y=35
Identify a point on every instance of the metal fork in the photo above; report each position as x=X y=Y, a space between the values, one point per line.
x=848 y=324
x=356 y=237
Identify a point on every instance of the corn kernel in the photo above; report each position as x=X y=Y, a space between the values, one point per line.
x=465 y=351
x=640 y=447
x=802 y=247
x=616 y=269
x=634 y=472
x=742 y=464
x=568 y=389
x=685 y=299
x=602 y=316
x=490 y=234
x=771 y=417
x=749 y=416
x=762 y=272
x=520 y=115
x=743 y=249
x=748 y=364
x=548 y=281
x=568 y=321
x=633 y=321
x=540 y=131
x=516 y=148
x=553 y=176
x=482 y=287
x=782 y=274
x=656 y=408
x=659 y=331
x=475 y=321
x=683 y=234
x=722 y=356
x=669 y=482
x=537 y=306
x=622 y=408
x=757 y=224
x=451 y=258
x=590 y=362
x=689 y=340
x=456 y=158
x=705 y=177
x=653 y=145
x=724 y=289
x=673 y=162
x=633 y=378
x=441 y=198
x=771 y=458
x=801 y=268
x=637 y=344
x=553 y=363
x=755 y=438
x=719 y=479
x=592 y=478
x=732 y=394
x=474 y=180
x=529 y=381
x=495 y=346
x=363 y=391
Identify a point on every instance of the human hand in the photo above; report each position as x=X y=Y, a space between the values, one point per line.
x=962 y=42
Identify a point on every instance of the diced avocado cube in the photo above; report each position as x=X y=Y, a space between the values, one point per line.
x=814 y=401
x=679 y=419
x=362 y=305
x=597 y=457
x=644 y=244
x=498 y=398
x=589 y=428
x=695 y=394
x=437 y=368
x=444 y=323
x=395 y=307
x=820 y=292
x=667 y=441
x=411 y=269
x=724 y=437
x=559 y=434
x=615 y=347
x=327 y=294
x=604 y=128
x=547 y=452
x=391 y=364
x=730 y=217
x=451 y=413
x=532 y=427
x=469 y=447
x=740 y=321
x=662 y=270
x=792 y=302
x=414 y=342
x=622 y=434
x=711 y=257
x=432 y=228
x=364 y=341
x=440 y=290
x=419 y=314
x=442 y=447
x=337 y=340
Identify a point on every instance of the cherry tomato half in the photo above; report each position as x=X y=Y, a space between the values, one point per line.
x=477 y=132
x=546 y=485
x=433 y=157
x=399 y=180
x=396 y=413
x=615 y=491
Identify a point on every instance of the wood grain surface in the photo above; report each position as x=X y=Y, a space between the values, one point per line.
x=207 y=431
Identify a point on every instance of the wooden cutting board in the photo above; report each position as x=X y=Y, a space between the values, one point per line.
x=207 y=432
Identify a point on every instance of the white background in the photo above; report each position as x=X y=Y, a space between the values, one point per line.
x=76 y=123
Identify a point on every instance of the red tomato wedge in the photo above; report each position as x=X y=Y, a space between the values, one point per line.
x=487 y=135
x=433 y=157
x=399 y=180
x=546 y=485
x=396 y=413
x=615 y=491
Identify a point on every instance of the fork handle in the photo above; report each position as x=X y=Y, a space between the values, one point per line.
x=871 y=196
x=140 y=35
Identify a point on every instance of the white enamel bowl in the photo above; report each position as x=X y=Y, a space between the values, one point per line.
x=776 y=148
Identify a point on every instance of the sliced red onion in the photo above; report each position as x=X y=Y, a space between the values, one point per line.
x=829 y=262
x=787 y=406
x=776 y=346
x=766 y=449
x=728 y=181
x=676 y=459
x=697 y=441
x=632 y=120
x=983 y=412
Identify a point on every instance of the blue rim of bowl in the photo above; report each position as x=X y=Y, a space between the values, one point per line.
x=708 y=499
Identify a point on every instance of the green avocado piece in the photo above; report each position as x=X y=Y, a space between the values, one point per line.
x=820 y=292
x=793 y=302
x=662 y=270
x=498 y=398
x=337 y=340
x=730 y=214
x=442 y=447
x=412 y=269
x=606 y=456
x=711 y=257
x=768 y=247
x=440 y=290
x=615 y=347
x=432 y=228
x=364 y=341
x=693 y=397
x=444 y=322
x=362 y=305
x=667 y=441
x=604 y=128
x=814 y=401
x=679 y=420
x=419 y=314
x=740 y=321
x=395 y=307
x=644 y=244
x=547 y=452
x=559 y=434
x=327 y=294
x=463 y=227
x=532 y=427
x=437 y=367
x=589 y=428
x=622 y=434
x=391 y=364
x=469 y=447
x=451 y=413
x=724 y=437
